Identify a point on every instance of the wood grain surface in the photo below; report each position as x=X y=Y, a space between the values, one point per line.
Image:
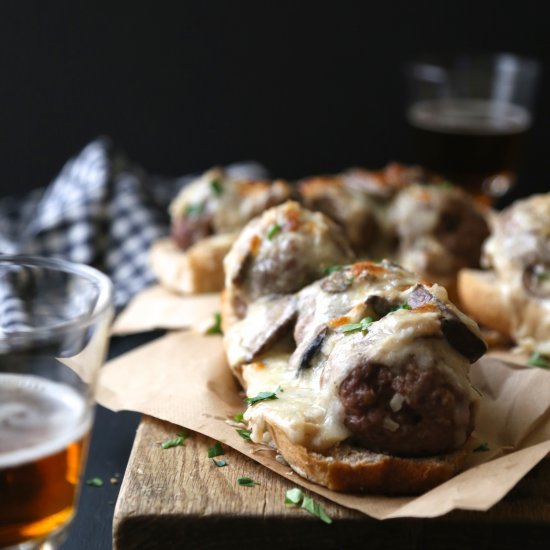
x=178 y=498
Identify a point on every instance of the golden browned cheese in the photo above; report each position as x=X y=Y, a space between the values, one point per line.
x=39 y=497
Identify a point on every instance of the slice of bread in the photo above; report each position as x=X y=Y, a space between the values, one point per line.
x=195 y=270
x=480 y=297
x=352 y=469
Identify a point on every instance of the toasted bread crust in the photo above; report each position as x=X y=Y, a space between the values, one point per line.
x=195 y=270
x=480 y=297
x=355 y=470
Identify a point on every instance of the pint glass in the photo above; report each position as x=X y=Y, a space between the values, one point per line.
x=54 y=325
x=468 y=117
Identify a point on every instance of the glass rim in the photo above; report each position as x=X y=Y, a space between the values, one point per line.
x=103 y=305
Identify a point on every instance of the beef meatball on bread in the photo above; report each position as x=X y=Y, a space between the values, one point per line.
x=358 y=378
x=278 y=253
x=439 y=230
x=205 y=218
x=358 y=199
x=512 y=293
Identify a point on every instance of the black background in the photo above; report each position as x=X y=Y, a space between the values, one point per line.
x=304 y=87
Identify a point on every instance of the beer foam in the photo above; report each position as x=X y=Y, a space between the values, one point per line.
x=38 y=417
x=469 y=116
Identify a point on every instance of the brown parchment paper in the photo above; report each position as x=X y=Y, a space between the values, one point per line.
x=183 y=378
x=159 y=308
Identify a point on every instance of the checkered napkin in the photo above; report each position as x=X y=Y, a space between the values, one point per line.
x=102 y=210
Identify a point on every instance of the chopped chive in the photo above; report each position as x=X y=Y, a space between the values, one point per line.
x=483 y=448
x=539 y=360
x=175 y=442
x=216 y=450
x=95 y=482
x=273 y=230
x=216 y=328
x=362 y=325
x=245 y=434
x=216 y=186
x=246 y=482
x=262 y=396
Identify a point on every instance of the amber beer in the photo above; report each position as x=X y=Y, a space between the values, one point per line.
x=474 y=143
x=44 y=429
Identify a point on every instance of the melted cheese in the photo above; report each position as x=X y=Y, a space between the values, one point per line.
x=308 y=407
x=521 y=236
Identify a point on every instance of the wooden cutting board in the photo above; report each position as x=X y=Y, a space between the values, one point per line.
x=177 y=498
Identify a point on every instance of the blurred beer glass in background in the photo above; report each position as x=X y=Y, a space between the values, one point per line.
x=54 y=325
x=468 y=116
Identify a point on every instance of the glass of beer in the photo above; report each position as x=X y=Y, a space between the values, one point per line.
x=469 y=116
x=54 y=325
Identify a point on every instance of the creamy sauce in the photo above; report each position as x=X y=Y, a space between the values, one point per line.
x=308 y=407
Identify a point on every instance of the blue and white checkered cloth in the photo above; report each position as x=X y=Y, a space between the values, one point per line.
x=102 y=210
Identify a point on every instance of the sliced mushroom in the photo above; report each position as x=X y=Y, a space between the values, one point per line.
x=459 y=336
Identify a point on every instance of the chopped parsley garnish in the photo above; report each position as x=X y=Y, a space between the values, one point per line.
x=245 y=434
x=175 y=442
x=332 y=269
x=262 y=396
x=296 y=497
x=539 y=360
x=543 y=276
x=194 y=209
x=401 y=306
x=239 y=417
x=363 y=325
x=246 y=482
x=95 y=482
x=483 y=448
x=220 y=463
x=216 y=186
x=216 y=328
x=216 y=450
x=273 y=230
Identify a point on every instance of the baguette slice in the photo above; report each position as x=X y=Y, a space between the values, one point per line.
x=195 y=270
x=356 y=470
x=480 y=297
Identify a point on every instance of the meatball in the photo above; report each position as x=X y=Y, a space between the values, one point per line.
x=348 y=207
x=280 y=252
x=407 y=411
x=220 y=202
x=440 y=230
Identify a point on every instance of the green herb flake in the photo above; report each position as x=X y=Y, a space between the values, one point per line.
x=262 y=396
x=296 y=497
x=542 y=276
x=216 y=450
x=363 y=325
x=401 y=306
x=216 y=186
x=239 y=417
x=220 y=463
x=332 y=269
x=194 y=209
x=245 y=434
x=95 y=482
x=216 y=328
x=246 y=482
x=315 y=509
x=483 y=448
x=273 y=230
x=539 y=360
x=175 y=442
